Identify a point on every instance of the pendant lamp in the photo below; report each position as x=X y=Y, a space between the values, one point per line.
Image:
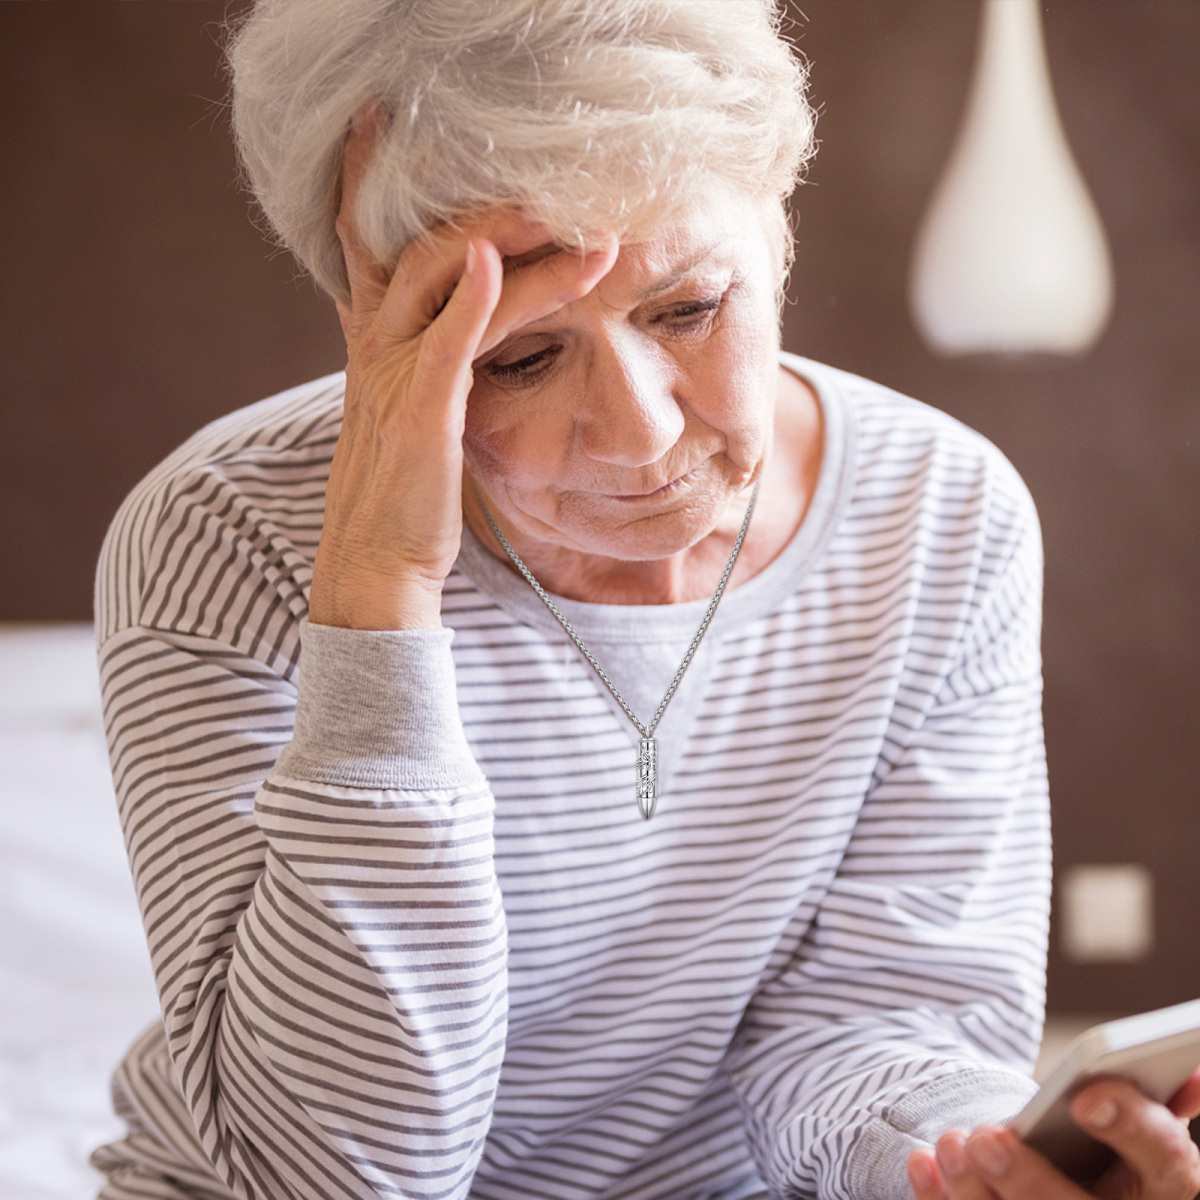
x=1011 y=257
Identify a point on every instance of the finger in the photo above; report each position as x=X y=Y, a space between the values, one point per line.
x=368 y=279
x=1010 y=1170
x=1152 y=1141
x=451 y=343
x=1186 y=1102
x=429 y=268
x=960 y=1177
x=540 y=289
x=923 y=1176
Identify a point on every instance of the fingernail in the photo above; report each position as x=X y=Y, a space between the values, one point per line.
x=951 y=1156
x=920 y=1173
x=472 y=259
x=1102 y=1115
x=989 y=1154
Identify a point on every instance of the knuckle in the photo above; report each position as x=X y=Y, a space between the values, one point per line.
x=1191 y=1182
x=1179 y=1170
x=437 y=343
x=1189 y=1169
x=367 y=346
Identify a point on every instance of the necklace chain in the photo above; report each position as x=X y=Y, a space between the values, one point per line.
x=647 y=731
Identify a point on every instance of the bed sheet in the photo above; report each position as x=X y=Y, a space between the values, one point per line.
x=75 y=982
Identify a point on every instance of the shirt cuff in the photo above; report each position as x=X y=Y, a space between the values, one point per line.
x=876 y=1167
x=378 y=709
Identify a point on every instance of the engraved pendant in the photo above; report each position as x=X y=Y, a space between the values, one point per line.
x=647 y=776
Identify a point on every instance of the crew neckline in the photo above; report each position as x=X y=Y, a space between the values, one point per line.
x=644 y=623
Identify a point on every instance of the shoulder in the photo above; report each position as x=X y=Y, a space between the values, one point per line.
x=915 y=468
x=237 y=507
x=937 y=533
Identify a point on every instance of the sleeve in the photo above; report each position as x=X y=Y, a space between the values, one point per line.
x=915 y=1003
x=326 y=929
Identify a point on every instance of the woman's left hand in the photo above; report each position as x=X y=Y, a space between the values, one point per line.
x=1157 y=1158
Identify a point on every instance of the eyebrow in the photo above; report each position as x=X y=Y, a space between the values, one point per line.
x=665 y=285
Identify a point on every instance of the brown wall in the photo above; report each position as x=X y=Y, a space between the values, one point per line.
x=140 y=302
x=1110 y=445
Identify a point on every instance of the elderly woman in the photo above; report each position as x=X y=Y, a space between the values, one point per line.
x=480 y=852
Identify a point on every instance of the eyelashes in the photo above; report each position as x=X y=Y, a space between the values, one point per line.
x=527 y=370
x=697 y=312
x=679 y=321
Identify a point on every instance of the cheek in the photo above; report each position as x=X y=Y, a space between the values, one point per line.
x=515 y=443
x=739 y=391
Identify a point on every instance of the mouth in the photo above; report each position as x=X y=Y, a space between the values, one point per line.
x=657 y=493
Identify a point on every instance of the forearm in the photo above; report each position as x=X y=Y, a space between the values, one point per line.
x=336 y=1012
x=915 y=1002
x=835 y=1110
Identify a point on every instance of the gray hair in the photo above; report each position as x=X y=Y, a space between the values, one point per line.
x=599 y=116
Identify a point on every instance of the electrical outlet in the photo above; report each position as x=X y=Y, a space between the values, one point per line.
x=1106 y=912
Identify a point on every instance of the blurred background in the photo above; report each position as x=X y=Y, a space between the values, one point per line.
x=140 y=301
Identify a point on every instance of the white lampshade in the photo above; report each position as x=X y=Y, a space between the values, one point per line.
x=1011 y=257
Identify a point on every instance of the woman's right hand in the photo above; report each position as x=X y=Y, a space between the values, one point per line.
x=393 y=511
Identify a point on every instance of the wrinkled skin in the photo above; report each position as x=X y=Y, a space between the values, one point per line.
x=615 y=408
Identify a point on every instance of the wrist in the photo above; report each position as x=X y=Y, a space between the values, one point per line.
x=408 y=605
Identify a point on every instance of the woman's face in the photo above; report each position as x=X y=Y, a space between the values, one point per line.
x=625 y=422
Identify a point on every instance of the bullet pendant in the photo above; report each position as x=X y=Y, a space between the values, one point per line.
x=647 y=777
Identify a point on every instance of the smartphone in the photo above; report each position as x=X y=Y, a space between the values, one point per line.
x=1157 y=1051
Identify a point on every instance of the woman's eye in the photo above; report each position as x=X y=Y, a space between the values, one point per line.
x=527 y=370
x=692 y=316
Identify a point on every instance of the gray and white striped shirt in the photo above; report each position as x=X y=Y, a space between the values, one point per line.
x=413 y=939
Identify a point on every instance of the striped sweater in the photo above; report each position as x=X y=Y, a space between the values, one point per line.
x=412 y=937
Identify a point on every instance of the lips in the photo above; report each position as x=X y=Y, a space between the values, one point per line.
x=666 y=489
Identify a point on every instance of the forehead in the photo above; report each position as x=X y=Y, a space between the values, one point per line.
x=716 y=232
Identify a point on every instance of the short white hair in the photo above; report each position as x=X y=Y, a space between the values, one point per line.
x=599 y=116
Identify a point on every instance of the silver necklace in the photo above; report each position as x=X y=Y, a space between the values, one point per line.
x=647 y=760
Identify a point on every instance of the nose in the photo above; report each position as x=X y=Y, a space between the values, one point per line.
x=629 y=415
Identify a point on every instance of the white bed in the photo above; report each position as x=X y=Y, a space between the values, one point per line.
x=75 y=985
